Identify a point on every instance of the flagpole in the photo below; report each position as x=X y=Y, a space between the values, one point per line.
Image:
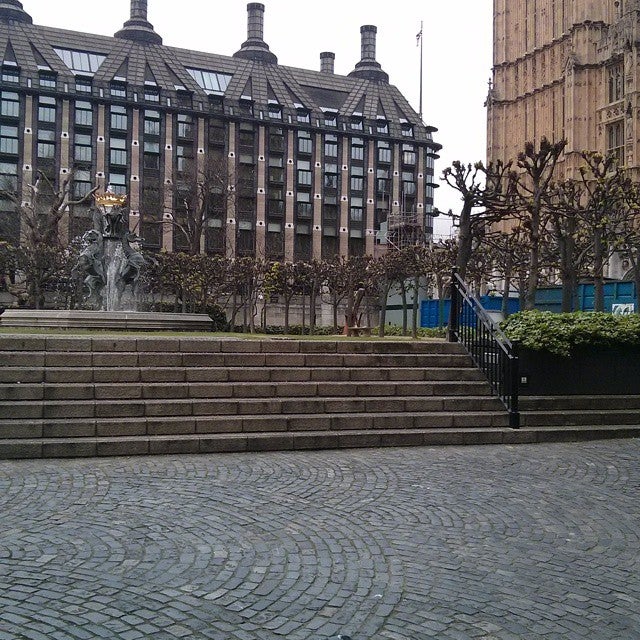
x=421 y=59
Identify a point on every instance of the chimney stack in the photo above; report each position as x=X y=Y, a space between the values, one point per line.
x=255 y=21
x=368 y=68
x=255 y=48
x=138 y=28
x=12 y=10
x=368 y=42
x=327 y=62
x=139 y=10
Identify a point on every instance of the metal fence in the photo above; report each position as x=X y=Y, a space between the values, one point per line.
x=487 y=345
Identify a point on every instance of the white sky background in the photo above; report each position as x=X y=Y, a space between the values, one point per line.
x=457 y=50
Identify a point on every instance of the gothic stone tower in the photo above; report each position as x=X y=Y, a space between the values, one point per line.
x=566 y=69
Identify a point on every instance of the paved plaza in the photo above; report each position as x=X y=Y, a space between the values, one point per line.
x=530 y=541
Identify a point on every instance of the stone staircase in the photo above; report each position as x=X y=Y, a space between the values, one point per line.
x=65 y=396
x=581 y=417
x=121 y=395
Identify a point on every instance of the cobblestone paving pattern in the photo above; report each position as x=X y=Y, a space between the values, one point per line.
x=402 y=544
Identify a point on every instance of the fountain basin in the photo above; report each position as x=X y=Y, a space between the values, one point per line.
x=111 y=320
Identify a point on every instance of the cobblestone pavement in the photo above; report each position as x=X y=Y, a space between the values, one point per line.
x=529 y=542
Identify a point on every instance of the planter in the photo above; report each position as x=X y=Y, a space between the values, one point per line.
x=596 y=371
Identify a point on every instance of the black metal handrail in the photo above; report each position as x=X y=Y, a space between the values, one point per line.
x=487 y=345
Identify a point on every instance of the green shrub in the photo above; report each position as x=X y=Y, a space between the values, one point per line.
x=392 y=330
x=564 y=333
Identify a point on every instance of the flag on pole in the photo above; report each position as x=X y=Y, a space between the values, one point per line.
x=418 y=38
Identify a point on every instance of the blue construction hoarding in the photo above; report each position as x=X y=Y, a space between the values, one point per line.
x=617 y=296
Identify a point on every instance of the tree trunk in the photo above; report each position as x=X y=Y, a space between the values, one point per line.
x=598 y=272
x=384 y=296
x=414 y=314
x=287 y=305
x=405 y=320
x=532 y=281
x=465 y=241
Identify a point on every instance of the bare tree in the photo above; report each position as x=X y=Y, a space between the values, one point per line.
x=43 y=256
x=529 y=191
x=482 y=192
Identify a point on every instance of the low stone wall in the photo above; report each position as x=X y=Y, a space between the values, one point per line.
x=596 y=371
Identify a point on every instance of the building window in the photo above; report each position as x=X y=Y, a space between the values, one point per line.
x=118 y=182
x=10 y=104
x=84 y=114
x=8 y=139
x=382 y=127
x=118 y=151
x=152 y=94
x=184 y=155
x=615 y=83
x=330 y=119
x=357 y=149
x=304 y=173
x=276 y=140
x=10 y=75
x=355 y=214
x=408 y=154
x=357 y=123
x=119 y=120
x=151 y=123
x=615 y=141
x=357 y=184
x=46 y=110
x=118 y=90
x=151 y=158
x=82 y=151
x=8 y=175
x=276 y=172
x=305 y=144
x=46 y=144
x=81 y=183
x=303 y=116
x=84 y=85
x=330 y=180
x=275 y=111
x=47 y=80
x=304 y=208
x=384 y=152
x=331 y=146
x=185 y=126
x=407 y=130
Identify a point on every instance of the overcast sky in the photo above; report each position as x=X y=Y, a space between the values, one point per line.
x=457 y=49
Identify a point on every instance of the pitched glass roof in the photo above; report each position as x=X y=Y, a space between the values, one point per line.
x=211 y=81
x=81 y=61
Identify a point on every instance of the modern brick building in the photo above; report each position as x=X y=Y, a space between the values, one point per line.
x=315 y=164
x=566 y=69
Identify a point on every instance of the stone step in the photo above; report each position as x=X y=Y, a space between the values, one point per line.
x=443 y=397
x=580 y=417
x=120 y=343
x=16 y=392
x=88 y=375
x=578 y=403
x=309 y=440
x=218 y=424
x=58 y=359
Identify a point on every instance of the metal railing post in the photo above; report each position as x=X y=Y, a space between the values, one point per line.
x=454 y=309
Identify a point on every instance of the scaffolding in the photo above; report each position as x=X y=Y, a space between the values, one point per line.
x=405 y=230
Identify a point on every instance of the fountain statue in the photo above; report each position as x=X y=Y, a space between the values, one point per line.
x=109 y=267
x=107 y=275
